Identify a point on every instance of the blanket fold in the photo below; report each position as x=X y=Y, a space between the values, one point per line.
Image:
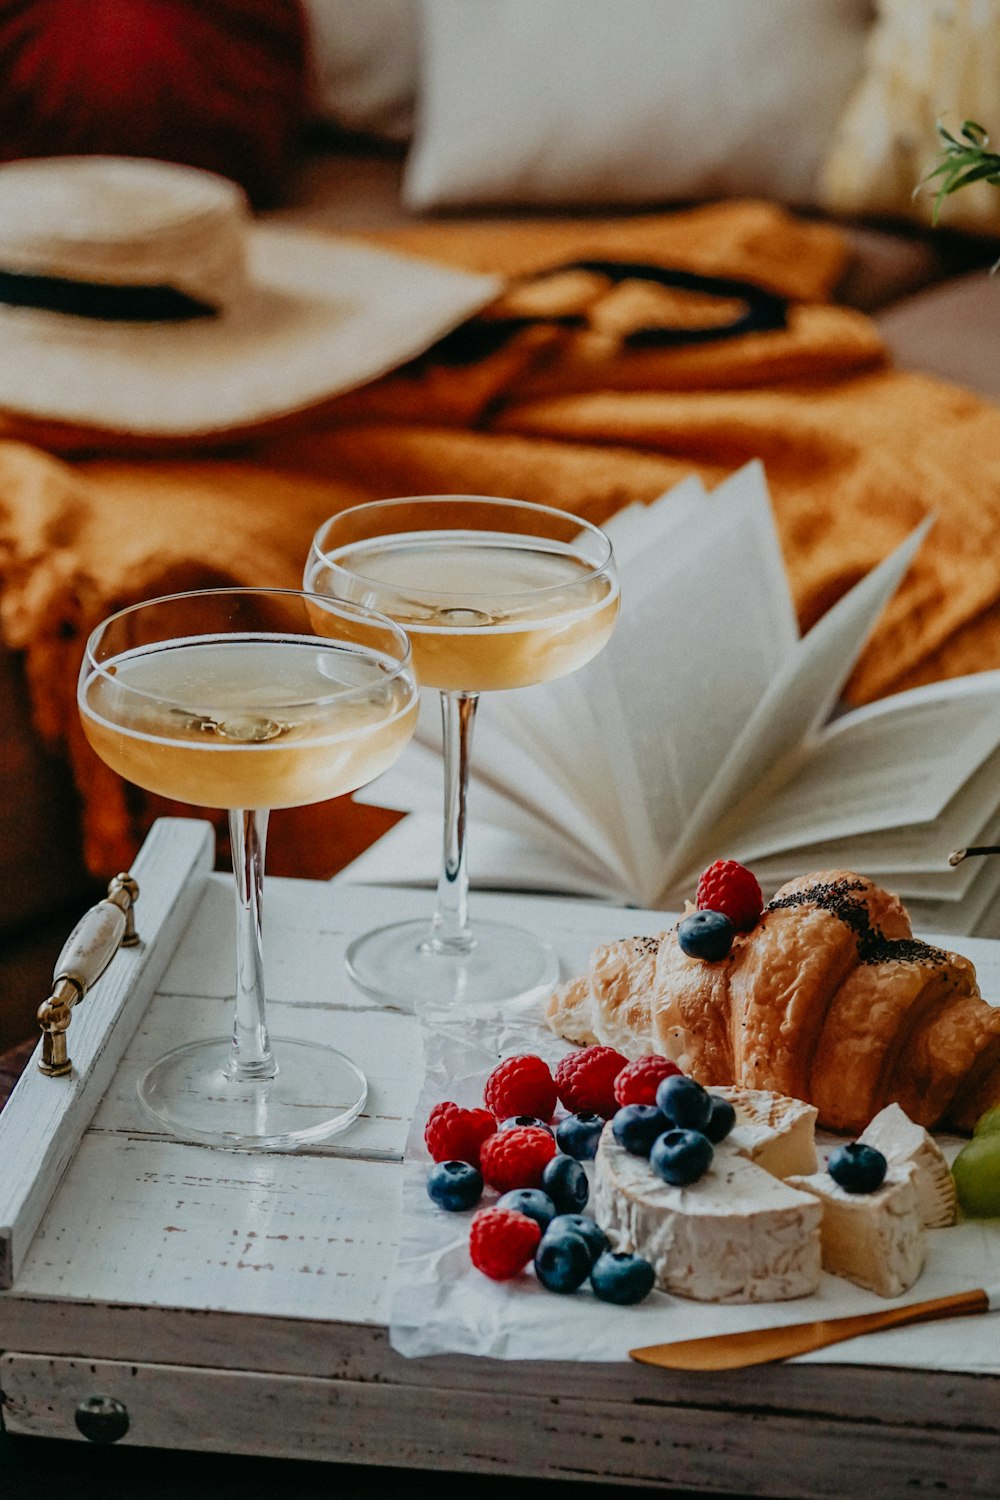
x=559 y=407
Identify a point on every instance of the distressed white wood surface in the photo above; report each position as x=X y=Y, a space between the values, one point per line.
x=143 y=1219
x=45 y=1117
x=239 y=1301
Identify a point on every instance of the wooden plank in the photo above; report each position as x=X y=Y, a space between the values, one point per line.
x=168 y=1225
x=360 y=1352
x=44 y=1119
x=556 y=1436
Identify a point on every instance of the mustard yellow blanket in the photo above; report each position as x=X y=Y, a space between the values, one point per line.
x=547 y=396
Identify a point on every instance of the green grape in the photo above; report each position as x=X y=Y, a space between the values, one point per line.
x=989 y=1123
x=976 y=1171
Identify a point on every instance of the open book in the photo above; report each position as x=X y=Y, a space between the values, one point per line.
x=708 y=728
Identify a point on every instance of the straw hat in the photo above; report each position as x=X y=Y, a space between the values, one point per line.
x=140 y=297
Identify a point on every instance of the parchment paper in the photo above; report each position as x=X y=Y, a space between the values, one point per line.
x=442 y=1304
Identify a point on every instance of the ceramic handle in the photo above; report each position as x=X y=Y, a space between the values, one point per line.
x=88 y=950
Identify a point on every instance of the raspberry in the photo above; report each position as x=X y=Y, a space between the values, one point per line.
x=637 y=1083
x=456 y=1134
x=585 y=1080
x=502 y=1241
x=731 y=888
x=520 y=1086
x=515 y=1158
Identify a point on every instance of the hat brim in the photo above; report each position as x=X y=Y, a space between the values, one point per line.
x=323 y=316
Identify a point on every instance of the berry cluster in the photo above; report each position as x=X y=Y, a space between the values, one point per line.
x=678 y=1131
x=536 y=1168
x=728 y=900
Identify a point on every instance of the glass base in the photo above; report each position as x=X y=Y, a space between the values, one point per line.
x=316 y=1092
x=404 y=965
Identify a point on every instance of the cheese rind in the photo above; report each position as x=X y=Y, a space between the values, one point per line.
x=776 y=1132
x=874 y=1239
x=901 y=1140
x=738 y=1234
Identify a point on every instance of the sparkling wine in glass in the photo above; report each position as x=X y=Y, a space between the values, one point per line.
x=493 y=594
x=248 y=700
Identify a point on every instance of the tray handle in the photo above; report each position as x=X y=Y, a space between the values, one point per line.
x=88 y=950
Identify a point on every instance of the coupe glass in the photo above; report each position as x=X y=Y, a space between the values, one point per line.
x=493 y=594
x=247 y=700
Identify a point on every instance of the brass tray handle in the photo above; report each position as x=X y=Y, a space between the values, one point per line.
x=88 y=950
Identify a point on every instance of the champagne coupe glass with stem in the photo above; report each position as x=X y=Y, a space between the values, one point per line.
x=247 y=700
x=493 y=594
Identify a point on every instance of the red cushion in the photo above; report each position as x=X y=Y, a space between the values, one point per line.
x=219 y=84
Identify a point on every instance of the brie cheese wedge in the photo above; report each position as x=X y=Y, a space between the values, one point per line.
x=776 y=1132
x=738 y=1234
x=873 y=1239
x=900 y=1140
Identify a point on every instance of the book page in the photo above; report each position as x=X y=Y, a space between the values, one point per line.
x=891 y=764
x=502 y=859
x=911 y=859
x=415 y=784
x=541 y=750
x=609 y=758
x=795 y=703
x=978 y=913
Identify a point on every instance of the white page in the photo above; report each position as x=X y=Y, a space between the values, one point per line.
x=687 y=680
x=418 y=789
x=522 y=742
x=978 y=913
x=595 y=760
x=699 y=562
x=911 y=859
x=576 y=728
x=501 y=859
x=798 y=699
x=890 y=764
x=610 y=757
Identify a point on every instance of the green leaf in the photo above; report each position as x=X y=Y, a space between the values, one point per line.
x=964 y=159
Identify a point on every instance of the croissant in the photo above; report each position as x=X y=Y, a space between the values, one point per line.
x=829 y=998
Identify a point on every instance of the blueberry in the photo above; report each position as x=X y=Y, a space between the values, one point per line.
x=531 y=1201
x=857 y=1168
x=721 y=1120
x=705 y=934
x=636 y=1126
x=454 y=1185
x=565 y=1181
x=582 y=1224
x=684 y=1102
x=513 y=1122
x=620 y=1278
x=578 y=1135
x=562 y=1261
x=680 y=1157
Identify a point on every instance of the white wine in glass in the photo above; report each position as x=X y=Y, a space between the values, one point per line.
x=493 y=594
x=248 y=700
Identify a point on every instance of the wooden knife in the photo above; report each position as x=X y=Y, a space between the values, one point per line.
x=761 y=1346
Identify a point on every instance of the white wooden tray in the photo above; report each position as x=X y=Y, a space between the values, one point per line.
x=232 y=1302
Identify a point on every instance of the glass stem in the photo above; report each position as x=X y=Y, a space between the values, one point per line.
x=450 y=926
x=251 y=1056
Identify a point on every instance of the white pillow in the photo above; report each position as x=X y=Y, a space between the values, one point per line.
x=364 y=60
x=628 y=101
